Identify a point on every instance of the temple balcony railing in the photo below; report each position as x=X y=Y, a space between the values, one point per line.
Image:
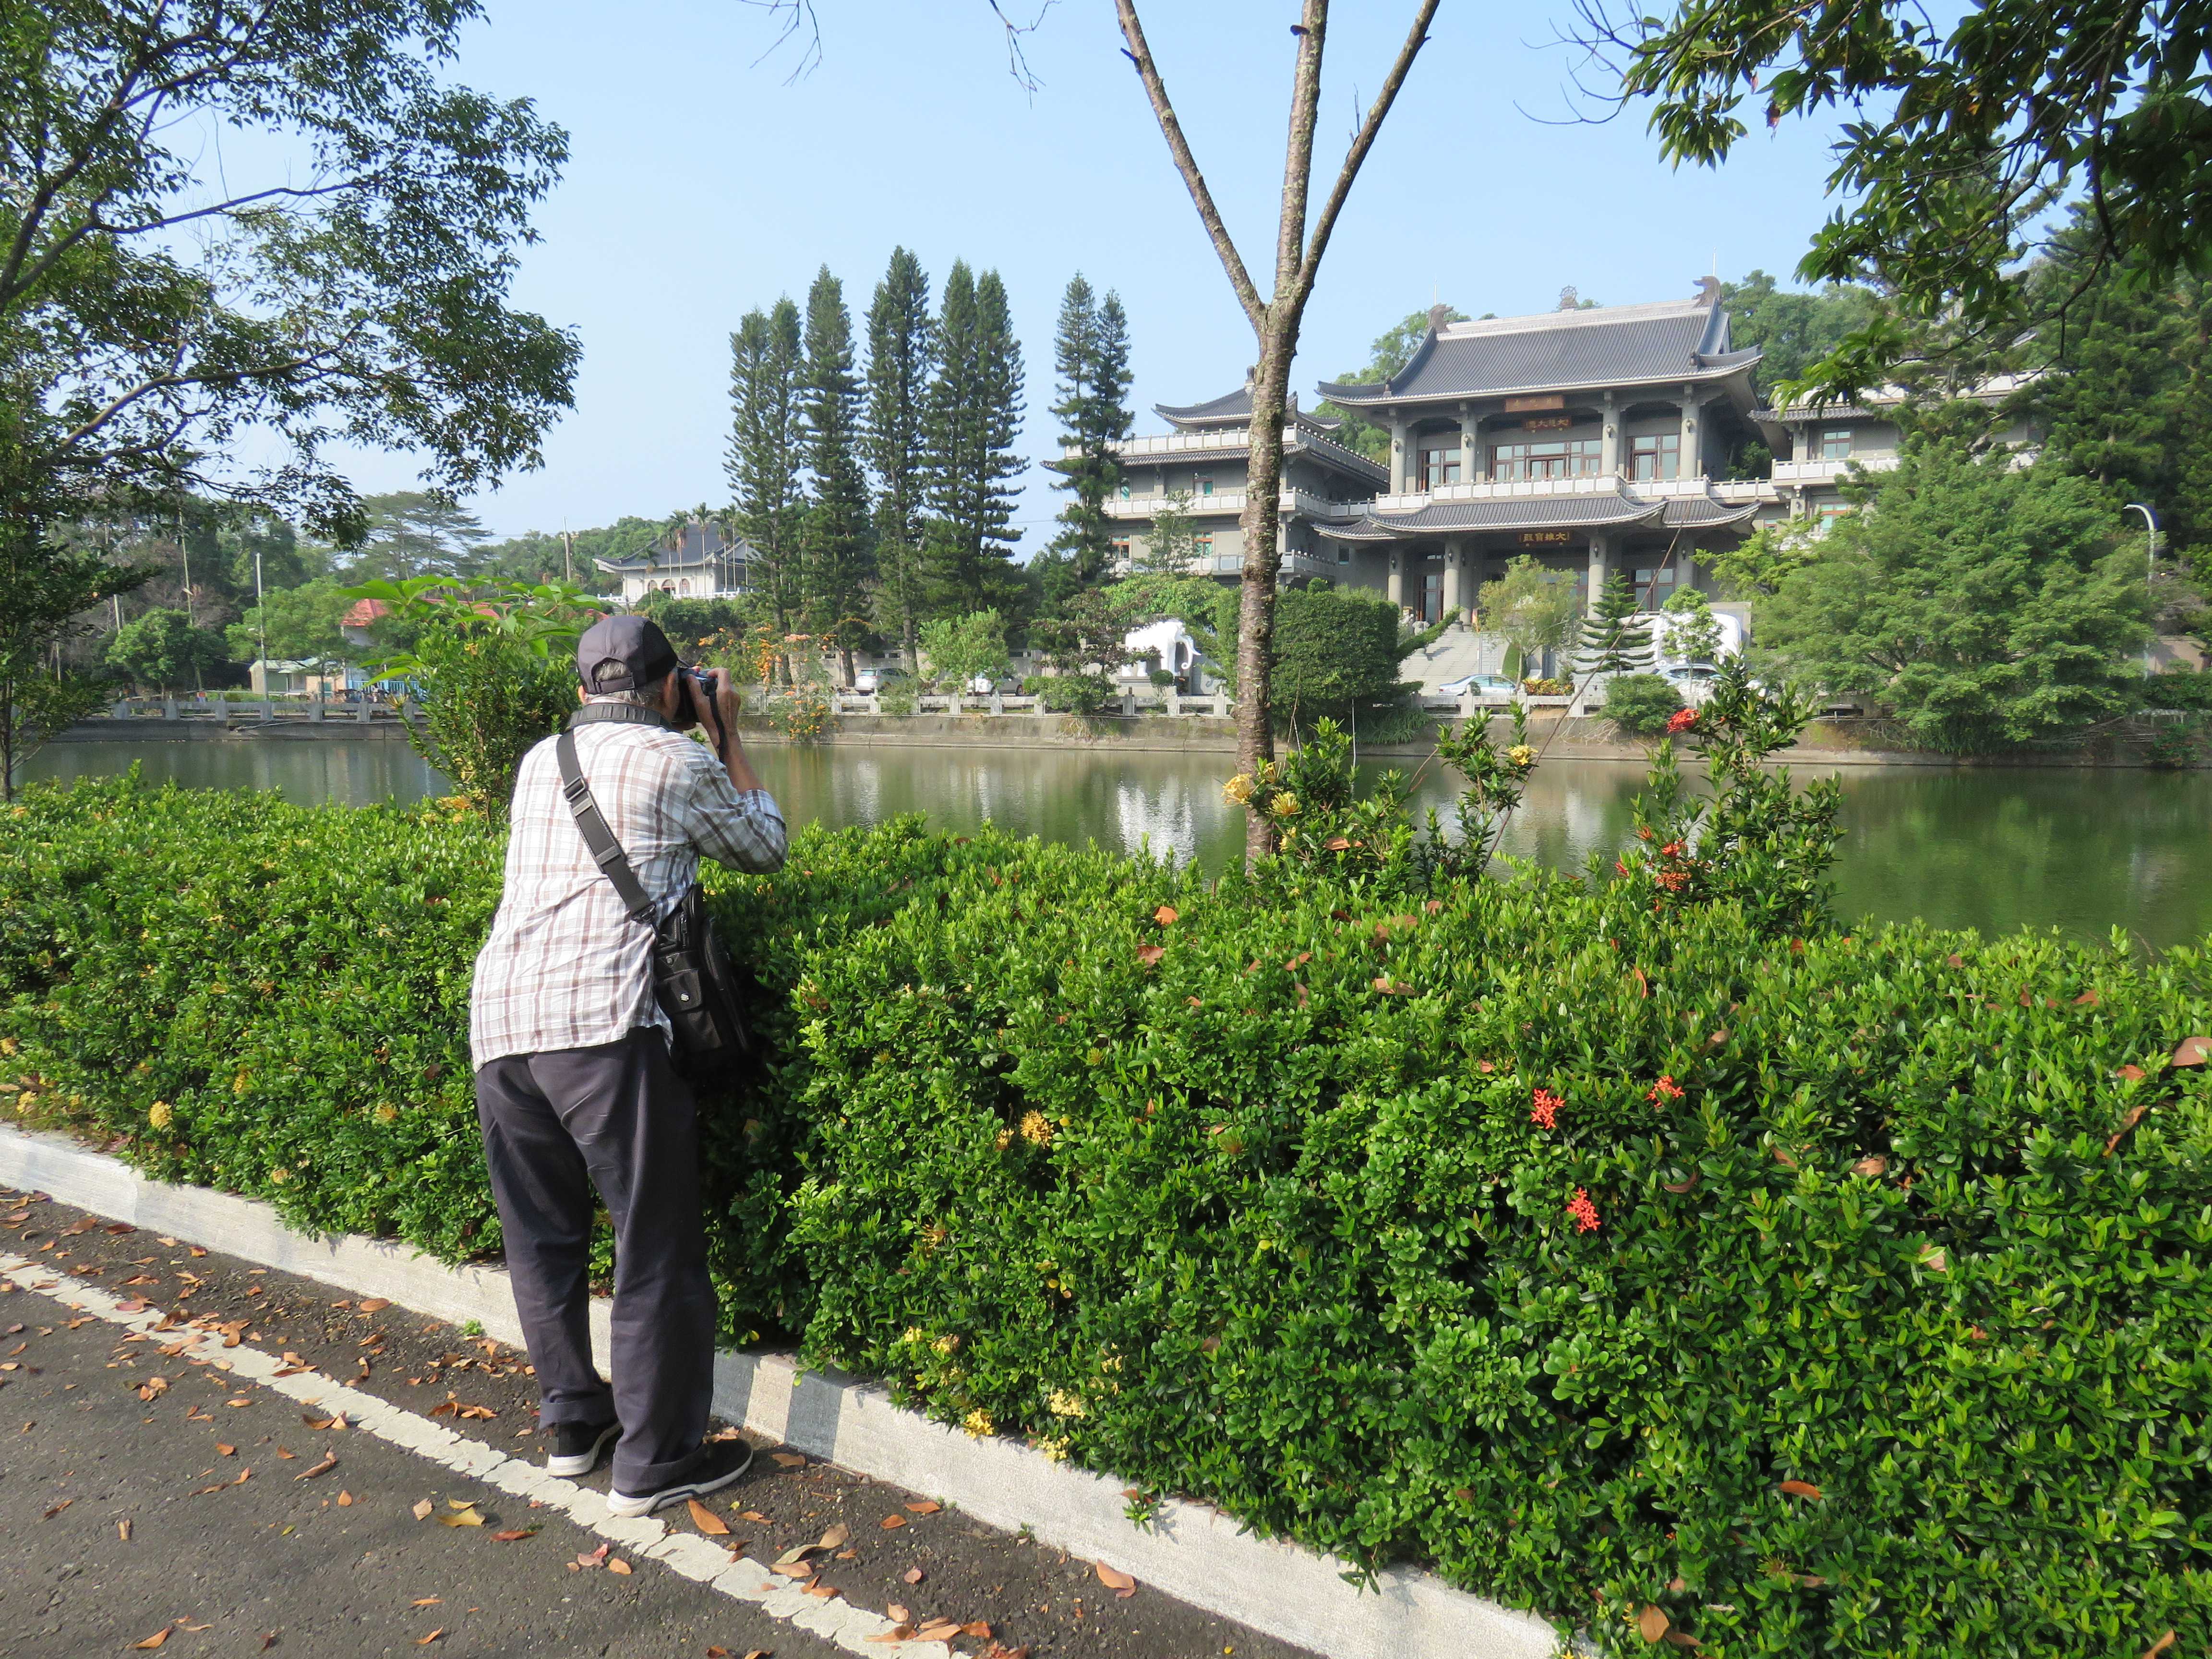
x=1833 y=469
x=1742 y=492
x=1229 y=503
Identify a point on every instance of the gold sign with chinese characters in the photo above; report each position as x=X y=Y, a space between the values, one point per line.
x=1523 y=406
x=1547 y=423
x=1546 y=537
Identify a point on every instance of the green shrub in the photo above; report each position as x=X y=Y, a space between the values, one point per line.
x=1073 y=693
x=1514 y=1228
x=1641 y=704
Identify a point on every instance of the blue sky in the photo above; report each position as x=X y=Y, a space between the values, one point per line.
x=703 y=183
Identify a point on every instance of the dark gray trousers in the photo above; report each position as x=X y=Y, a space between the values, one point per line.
x=615 y=1118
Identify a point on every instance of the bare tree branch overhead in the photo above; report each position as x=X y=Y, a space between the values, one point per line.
x=1276 y=320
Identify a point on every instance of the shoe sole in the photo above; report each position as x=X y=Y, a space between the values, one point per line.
x=583 y=1462
x=623 y=1505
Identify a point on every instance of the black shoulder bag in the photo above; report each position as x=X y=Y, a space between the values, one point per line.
x=694 y=979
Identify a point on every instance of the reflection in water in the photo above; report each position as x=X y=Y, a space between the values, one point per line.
x=1993 y=849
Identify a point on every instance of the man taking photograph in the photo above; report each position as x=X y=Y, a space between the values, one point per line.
x=575 y=1087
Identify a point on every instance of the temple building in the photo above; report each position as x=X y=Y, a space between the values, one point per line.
x=692 y=561
x=1622 y=438
x=1325 y=484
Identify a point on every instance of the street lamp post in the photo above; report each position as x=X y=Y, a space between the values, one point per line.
x=2150 y=561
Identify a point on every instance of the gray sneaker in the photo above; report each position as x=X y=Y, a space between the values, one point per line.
x=718 y=1463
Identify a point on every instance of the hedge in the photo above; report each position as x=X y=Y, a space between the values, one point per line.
x=1843 y=1294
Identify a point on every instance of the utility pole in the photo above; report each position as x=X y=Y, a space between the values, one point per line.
x=2150 y=562
x=261 y=617
x=568 y=555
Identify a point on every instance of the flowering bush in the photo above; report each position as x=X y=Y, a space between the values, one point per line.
x=1851 y=1300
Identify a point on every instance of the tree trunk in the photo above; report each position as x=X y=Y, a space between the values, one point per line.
x=1255 y=620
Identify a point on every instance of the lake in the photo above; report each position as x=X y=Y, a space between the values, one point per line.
x=1994 y=848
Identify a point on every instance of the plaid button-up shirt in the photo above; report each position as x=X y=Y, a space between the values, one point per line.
x=565 y=967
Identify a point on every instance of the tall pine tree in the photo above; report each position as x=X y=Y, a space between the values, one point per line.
x=763 y=460
x=836 y=536
x=1616 y=635
x=973 y=417
x=901 y=351
x=1092 y=354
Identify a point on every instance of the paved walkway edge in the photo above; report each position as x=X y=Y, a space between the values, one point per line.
x=1191 y=1551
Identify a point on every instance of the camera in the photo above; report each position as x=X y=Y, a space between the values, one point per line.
x=694 y=701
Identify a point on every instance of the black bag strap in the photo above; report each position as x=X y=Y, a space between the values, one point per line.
x=592 y=824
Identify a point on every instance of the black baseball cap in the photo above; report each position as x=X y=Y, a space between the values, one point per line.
x=623 y=653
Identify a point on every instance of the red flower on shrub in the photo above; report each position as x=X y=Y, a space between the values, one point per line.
x=1673 y=849
x=1681 y=721
x=1546 y=1110
x=1664 y=1090
x=1674 y=880
x=1584 y=1211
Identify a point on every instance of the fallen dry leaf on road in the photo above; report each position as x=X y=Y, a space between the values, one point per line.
x=911 y=1576
x=429 y=1602
x=752 y=1514
x=424 y=1641
x=892 y=1522
x=979 y=1630
x=373 y=1304
x=123 y=1531
x=57 y=1508
x=789 y=1460
x=221 y=1450
x=155 y=1639
x=345 y=1499
x=835 y=1539
x=826 y=1591
x=616 y=1564
x=899 y=1613
x=288 y=1457
x=465 y=1516
x=938 y=1630
x=329 y=1462
x=925 y=1506
x=514 y=1535
x=423 y=1509
x=707 y=1521
x=1119 y=1583
x=895 y=1633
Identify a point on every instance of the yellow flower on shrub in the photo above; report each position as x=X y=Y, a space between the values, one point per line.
x=1036 y=1129
x=388 y=1113
x=914 y=1333
x=978 y=1423
x=1285 y=805
x=280 y=1176
x=946 y=1343
x=1521 y=754
x=1055 y=1450
x=159 y=1115
x=1239 y=790
x=1064 y=1404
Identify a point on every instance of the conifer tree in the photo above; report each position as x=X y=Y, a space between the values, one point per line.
x=1616 y=635
x=764 y=459
x=1091 y=353
x=901 y=351
x=835 y=537
x=974 y=417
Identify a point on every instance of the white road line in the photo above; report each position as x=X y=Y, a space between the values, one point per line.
x=833 y=1619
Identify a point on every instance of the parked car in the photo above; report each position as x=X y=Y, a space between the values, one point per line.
x=869 y=681
x=1481 y=685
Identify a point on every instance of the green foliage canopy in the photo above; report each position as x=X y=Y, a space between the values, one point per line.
x=162 y=651
x=1988 y=605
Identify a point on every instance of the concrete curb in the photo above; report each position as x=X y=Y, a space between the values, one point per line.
x=1191 y=1552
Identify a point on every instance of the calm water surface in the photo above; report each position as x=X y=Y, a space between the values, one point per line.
x=2086 y=851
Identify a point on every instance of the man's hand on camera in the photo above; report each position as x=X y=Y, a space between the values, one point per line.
x=729 y=703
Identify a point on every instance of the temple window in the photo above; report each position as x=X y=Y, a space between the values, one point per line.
x=1654 y=587
x=1439 y=466
x=1655 y=455
x=1567 y=457
x=1202 y=482
x=1835 y=443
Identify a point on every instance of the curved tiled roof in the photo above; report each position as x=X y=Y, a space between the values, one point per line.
x=1561 y=351
x=1235 y=409
x=1606 y=510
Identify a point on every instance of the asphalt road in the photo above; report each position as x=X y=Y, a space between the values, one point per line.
x=185 y=1509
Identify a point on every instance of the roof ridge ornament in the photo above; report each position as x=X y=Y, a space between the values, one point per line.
x=1708 y=290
